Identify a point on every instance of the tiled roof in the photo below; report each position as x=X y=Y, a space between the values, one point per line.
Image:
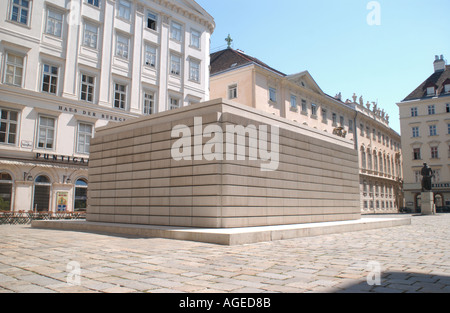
x=437 y=79
x=228 y=59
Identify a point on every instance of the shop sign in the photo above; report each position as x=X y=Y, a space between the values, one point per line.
x=61 y=158
x=88 y=113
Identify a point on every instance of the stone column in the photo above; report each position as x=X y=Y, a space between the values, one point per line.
x=135 y=106
x=164 y=61
x=107 y=54
x=70 y=68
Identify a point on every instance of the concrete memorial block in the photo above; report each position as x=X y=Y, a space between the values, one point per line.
x=219 y=164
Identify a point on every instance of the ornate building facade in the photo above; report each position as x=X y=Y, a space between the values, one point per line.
x=68 y=69
x=242 y=78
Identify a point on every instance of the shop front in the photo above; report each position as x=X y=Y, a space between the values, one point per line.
x=42 y=187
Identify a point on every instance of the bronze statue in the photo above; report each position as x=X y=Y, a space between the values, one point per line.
x=427 y=174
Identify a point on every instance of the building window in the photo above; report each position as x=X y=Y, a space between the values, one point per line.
x=434 y=153
x=272 y=94
x=54 y=23
x=363 y=159
x=436 y=176
x=415 y=132
x=304 y=106
x=150 y=56
x=90 y=35
x=20 y=11
x=8 y=126
x=380 y=163
x=447 y=88
x=84 y=138
x=448 y=129
x=175 y=65
x=195 y=39
x=341 y=121
x=431 y=91
x=324 y=116
x=46 y=133
x=14 y=70
x=334 y=119
x=81 y=186
x=369 y=160
x=417 y=176
x=447 y=108
x=50 y=79
x=174 y=103
x=41 y=198
x=313 y=109
x=433 y=131
x=175 y=31
x=350 y=126
x=232 y=91
x=5 y=191
x=149 y=103
x=122 y=45
x=361 y=126
x=124 y=9
x=294 y=103
x=95 y=3
x=152 y=20
x=194 y=71
x=375 y=161
x=431 y=110
x=87 y=88
x=414 y=112
x=417 y=154
x=120 y=96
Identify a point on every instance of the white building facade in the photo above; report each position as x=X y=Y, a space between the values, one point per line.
x=68 y=67
x=425 y=124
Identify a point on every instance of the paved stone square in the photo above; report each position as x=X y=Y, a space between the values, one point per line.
x=413 y=258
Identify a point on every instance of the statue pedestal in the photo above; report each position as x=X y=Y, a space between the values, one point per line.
x=428 y=203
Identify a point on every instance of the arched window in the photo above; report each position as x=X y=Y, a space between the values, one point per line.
x=42 y=179
x=375 y=161
x=369 y=159
x=80 y=195
x=41 y=200
x=5 y=191
x=363 y=158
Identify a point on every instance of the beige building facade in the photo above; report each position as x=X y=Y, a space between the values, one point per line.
x=425 y=127
x=69 y=67
x=239 y=77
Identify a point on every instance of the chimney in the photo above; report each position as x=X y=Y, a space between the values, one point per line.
x=439 y=63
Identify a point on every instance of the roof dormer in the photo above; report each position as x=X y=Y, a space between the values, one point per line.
x=446 y=86
x=430 y=89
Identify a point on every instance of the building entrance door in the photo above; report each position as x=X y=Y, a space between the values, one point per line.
x=41 y=198
x=5 y=192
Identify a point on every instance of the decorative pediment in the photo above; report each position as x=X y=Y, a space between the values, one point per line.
x=305 y=80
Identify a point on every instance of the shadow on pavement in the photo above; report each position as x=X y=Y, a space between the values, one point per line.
x=400 y=282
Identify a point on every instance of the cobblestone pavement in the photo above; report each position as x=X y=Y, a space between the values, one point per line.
x=413 y=258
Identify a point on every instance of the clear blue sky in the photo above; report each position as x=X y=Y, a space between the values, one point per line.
x=334 y=42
